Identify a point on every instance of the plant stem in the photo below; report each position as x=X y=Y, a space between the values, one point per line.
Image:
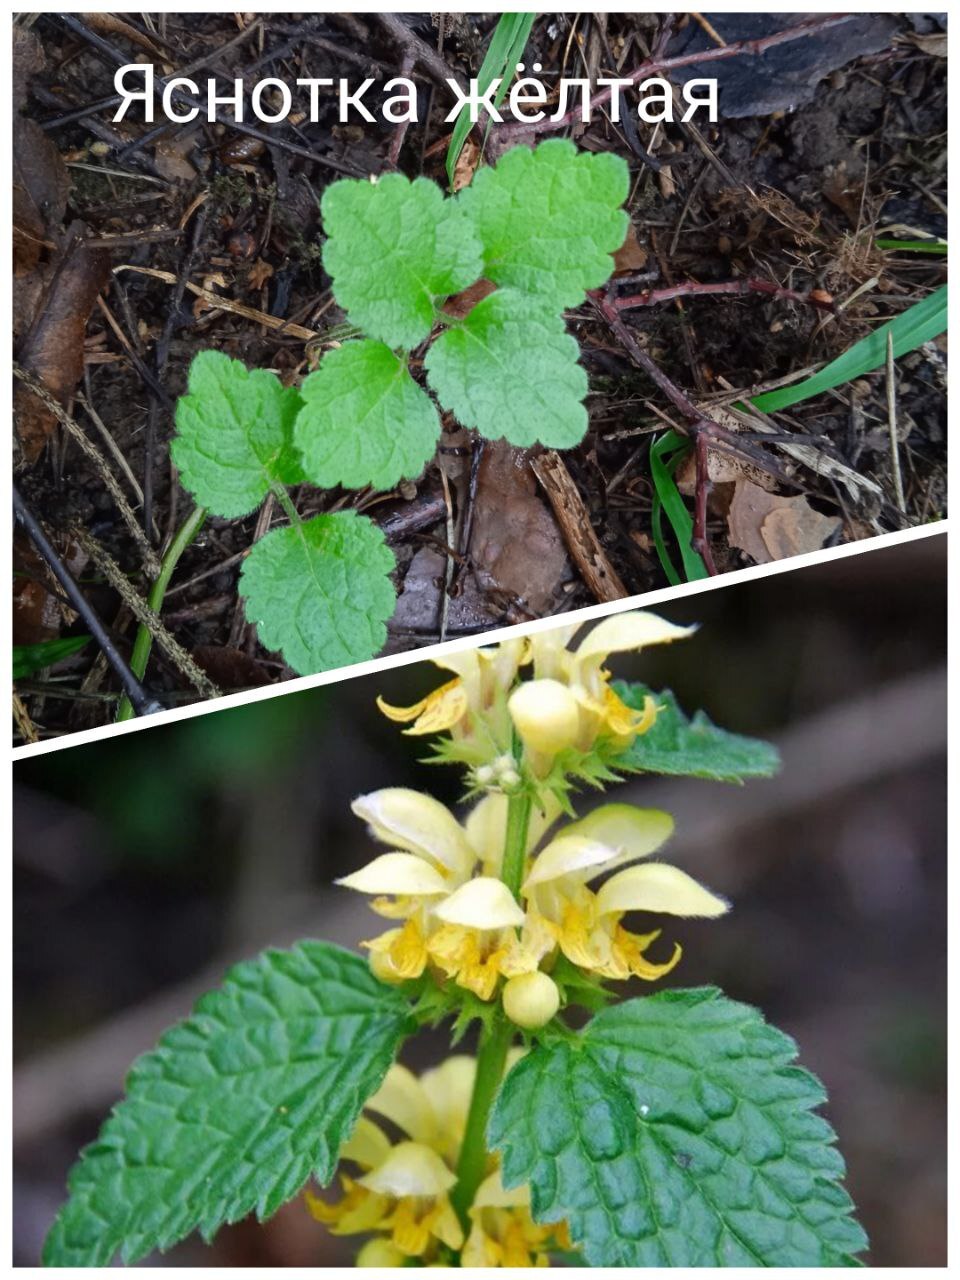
x=144 y=641
x=472 y=1165
x=281 y=495
x=492 y=1056
x=515 y=841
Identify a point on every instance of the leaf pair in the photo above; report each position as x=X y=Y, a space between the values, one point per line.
x=674 y=1131
x=318 y=589
x=541 y=226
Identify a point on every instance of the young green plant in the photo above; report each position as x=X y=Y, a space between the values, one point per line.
x=668 y=1130
x=539 y=228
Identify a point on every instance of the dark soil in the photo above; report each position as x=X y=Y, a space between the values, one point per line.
x=794 y=198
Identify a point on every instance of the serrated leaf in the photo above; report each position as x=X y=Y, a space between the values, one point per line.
x=549 y=219
x=693 y=748
x=364 y=420
x=236 y=1107
x=234 y=434
x=319 y=591
x=676 y=1131
x=394 y=248
x=509 y=369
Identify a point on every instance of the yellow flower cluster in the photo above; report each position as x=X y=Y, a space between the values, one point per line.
x=441 y=879
x=400 y=1194
x=567 y=704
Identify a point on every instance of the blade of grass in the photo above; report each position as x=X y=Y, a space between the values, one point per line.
x=144 y=641
x=30 y=658
x=506 y=49
x=913 y=246
x=665 y=455
x=917 y=325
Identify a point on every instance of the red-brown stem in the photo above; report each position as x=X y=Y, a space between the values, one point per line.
x=694 y=288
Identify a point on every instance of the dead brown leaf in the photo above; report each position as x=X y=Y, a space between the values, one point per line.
x=170 y=157
x=516 y=548
x=53 y=347
x=768 y=527
x=466 y=165
x=259 y=273
x=631 y=256
x=38 y=612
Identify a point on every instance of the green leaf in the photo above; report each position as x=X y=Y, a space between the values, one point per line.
x=394 y=247
x=692 y=748
x=915 y=326
x=30 y=658
x=234 y=434
x=236 y=1108
x=549 y=219
x=364 y=420
x=506 y=50
x=676 y=1131
x=665 y=454
x=320 y=591
x=510 y=370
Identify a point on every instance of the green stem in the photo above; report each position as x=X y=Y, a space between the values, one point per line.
x=492 y=1057
x=144 y=640
x=281 y=495
x=515 y=841
x=472 y=1165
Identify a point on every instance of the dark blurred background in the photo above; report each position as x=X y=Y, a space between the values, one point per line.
x=143 y=866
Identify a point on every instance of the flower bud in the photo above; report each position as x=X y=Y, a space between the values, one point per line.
x=530 y=1000
x=380 y=1253
x=546 y=715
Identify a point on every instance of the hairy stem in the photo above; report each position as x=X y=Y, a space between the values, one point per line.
x=472 y=1165
x=492 y=1056
x=515 y=841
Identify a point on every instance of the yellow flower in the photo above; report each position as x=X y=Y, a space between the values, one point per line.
x=481 y=678
x=462 y=922
x=586 y=923
x=503 y=1234
x=569 y=702
x=403 y=1192
x=404 y=1188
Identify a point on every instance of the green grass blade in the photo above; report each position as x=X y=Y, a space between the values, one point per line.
x=665 y=454
x=30 y=658
x=917 y=325
x=913 y=246
x=506 y=49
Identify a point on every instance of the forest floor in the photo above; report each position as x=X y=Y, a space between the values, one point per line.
x=137 y=246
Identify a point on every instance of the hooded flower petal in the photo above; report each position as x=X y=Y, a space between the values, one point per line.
x=481 y=903
x=486 y=826
x=629 y=631
x=403 y=1100
x=606 y=838
x=368 y=1145
x=411 y=1169
x=546 y=715
x=404 y=874
x=417 y=823
x=660 y=888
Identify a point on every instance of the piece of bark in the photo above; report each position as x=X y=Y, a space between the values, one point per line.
x=573 y=518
